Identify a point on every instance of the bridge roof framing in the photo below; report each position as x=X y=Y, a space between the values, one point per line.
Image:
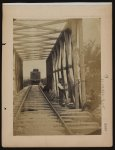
x=34 y=55
x=21 y=25
x=35 y=45
x=32 y=40
x=35 y=39
x=37 y=33
x=34 y=50
x=34 y=58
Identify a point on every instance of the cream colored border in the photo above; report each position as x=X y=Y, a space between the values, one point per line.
x=57 y=12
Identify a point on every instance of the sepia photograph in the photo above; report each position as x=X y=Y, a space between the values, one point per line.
x=58 y=79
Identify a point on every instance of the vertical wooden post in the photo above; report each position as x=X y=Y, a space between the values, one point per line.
x=63 y=66
x=54 y=79
x=56 y=69
x=49 y=70
x=82 y=65
x=75 y=55
x=14 y=69
x=18 y=73
x=21 y=74
x=58 y=62
x=59 y=65
x=78 y=61
x=67 y=35
x=58 y=53
x=16 y=76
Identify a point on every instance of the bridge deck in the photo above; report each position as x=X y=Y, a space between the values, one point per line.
x=36 y=117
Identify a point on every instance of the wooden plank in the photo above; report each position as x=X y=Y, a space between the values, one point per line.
x=32 y=40
x=25 y=42
x=56 y=74
x=38 y=54
x=63 y=64
x=57 y=67
x=21 y=49
x=25 y=59
x=54 y=79
x=18 y=73
x=70 y=76
x=34 y=33
x=33 y=56
x=49 y=71
x=59 y=63
x=75 y=54
x=82 y=65
x=33 y=52
x=29 y=59
x=41 y=47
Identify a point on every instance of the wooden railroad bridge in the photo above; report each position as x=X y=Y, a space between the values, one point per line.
x=60 y=43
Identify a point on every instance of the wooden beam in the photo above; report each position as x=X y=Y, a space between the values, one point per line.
x=34 y=59
x=54 y=77
x=34 y=43
x=41 y=40
x=30 y=49
x=75 y=56
x=44 y=38
x=63 y=65
x=18 y=73
x=70 y=77
x=35 y=47
x=33 y=54
x=40 y=28
x=34 y=34
x=31 y=58
x=59 y=65
x=44 y=52
x=82 y=64
x=78 y=61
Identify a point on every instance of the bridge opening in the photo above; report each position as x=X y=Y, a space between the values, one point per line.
x=29 y=67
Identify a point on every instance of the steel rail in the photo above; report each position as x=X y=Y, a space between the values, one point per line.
x=58 y=115
x=23 y=100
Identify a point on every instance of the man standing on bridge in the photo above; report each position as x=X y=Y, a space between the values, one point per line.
x=61 y=92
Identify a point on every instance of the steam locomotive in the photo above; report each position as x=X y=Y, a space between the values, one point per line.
x=35 y=76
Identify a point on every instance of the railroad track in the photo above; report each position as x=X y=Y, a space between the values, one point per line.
x=37 y=115
x=79 y=122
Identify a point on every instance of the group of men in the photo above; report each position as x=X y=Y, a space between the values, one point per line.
x=69 y=99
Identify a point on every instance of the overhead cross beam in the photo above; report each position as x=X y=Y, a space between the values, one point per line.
x=33 y=58
x=36 y=51
x=44 y=38
x=34 y=33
